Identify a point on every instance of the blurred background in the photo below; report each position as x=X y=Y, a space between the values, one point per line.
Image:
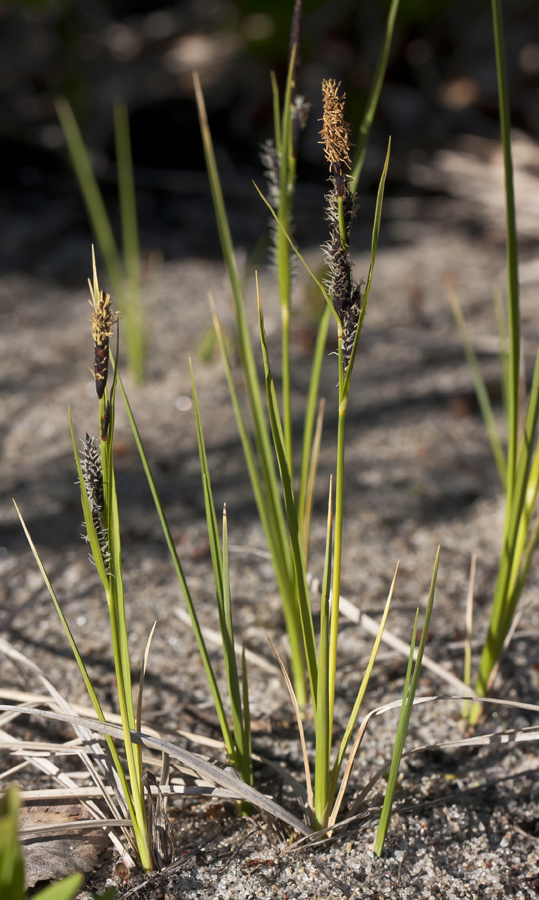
x=441 y=84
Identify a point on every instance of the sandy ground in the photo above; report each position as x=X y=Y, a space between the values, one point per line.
x=419 y=474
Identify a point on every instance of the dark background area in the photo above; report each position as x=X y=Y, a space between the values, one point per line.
x=441 y=82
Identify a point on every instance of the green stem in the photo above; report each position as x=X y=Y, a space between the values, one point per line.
x=512 y=249
x=127 y=714
x=322 y=716
x=337 y=554
x=515 y=486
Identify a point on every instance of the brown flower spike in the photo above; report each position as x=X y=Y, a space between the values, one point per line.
x=335 y=131
x=340 y=212
x=103 y=319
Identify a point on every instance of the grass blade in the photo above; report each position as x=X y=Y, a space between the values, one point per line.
x=305 y=511
x=291 y=515
x=310 y=419
x=481 y=391
x=406 y=711
x=297 y=712
x=372 y=102
x=323 y=721
x=268 y=501
x=355 y=713
x=374 y=248
x=138 y=714
x=92 y=195
x=78 y=658
x=210 y=675
x=211 y=515
x=136 y=333
x=318 y=283
x=227 y=632
x=512 y=251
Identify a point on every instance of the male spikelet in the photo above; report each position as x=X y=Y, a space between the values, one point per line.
x=103 y=318
x=340 y=212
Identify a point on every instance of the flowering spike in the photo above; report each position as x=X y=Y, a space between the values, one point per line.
x=340 y=213
x=92 y=475
x=103 y=318
x=335 y=131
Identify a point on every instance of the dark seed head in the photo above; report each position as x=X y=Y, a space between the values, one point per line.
x=92 y=474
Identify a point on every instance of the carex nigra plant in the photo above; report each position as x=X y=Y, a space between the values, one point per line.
x=348 y=304
x=95 y=467
x=518 y=462
x=284 y=498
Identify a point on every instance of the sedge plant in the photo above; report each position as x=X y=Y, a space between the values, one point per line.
x=518 y=463
x=348 y=305
x=237 y=733
x=284 y=507
x=95 y=467
x=279 y=157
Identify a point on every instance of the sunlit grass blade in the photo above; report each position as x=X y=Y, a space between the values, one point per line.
x=80 y=662
x=287 y=178
x=372 y=102
x=122 y=664
x=136 y=332
x=512 y=250
x=501 y=325
x=302 y=260
x=516 y=526
x=227 y=631
x=467 y=667
x=374 y=248
x=301 y=730
x=305 y=508
x=211 y=515
x=410 y=688
x=244 y=341
x=291 y=515
x=63 y=620
x=247 y=742
x=138 y=714
x=268 y=502
x=65 y=889
x=267 y=478
x=335 y=773
x=481 y=391
x=11 y=859
x=91 y=193
x=125 y=282
x=216 y=696
x=307 y=473
x=323 y=720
